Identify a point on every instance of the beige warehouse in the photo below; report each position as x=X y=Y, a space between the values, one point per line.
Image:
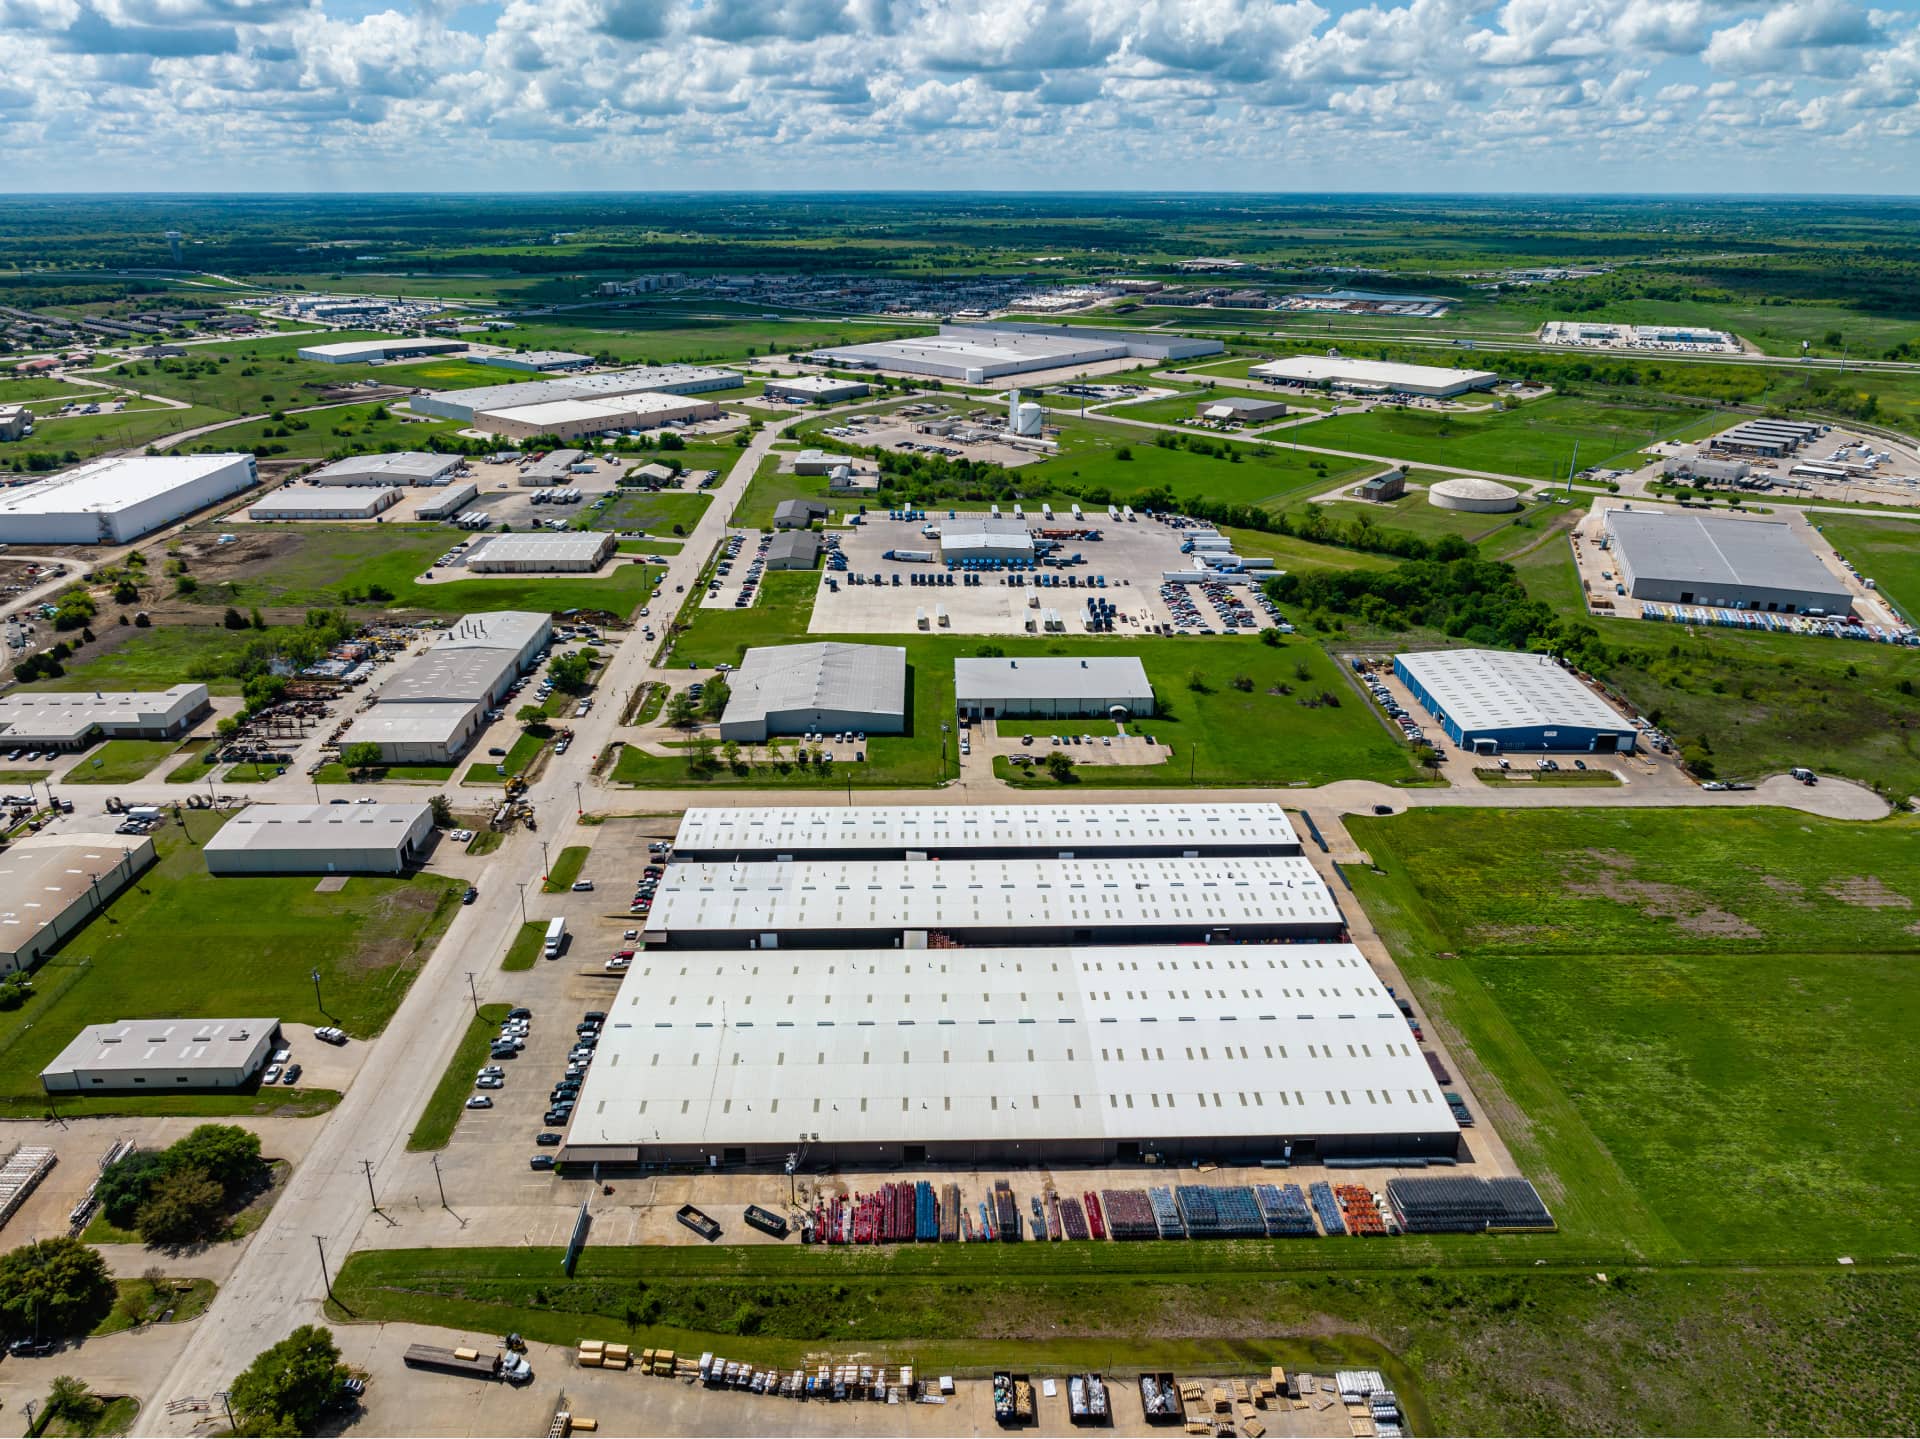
x=51 y=884
x=578 y=419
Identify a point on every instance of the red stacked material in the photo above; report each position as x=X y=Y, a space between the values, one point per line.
x=1073 y=1219
x=1053 y=1216
x=1096 y=1221
x=1362 y=1215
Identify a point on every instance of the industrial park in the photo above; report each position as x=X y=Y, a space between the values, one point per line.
x=849 y=815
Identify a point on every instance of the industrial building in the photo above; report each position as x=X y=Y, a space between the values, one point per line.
x=52 y=884
x=1052 y=687
x=824 y=686
x=370 y=352
x=74 y=719
x=574 y=419
x=1240 y=409
x=1706 y=467
x=553 y=468
x=449 y=502
x=320 y=839
x=1493 y=700
x=1767 y=439
x=1388 y=485
x=880 y=904
x=434 y=705
x=145 y=1055
x=463 y=405
x=115 y=501
x=1684 y=558
x=1485 y=497
x=977 y=354
x=394 y=467
x=815 y=389
x=313 y=502
x=985 y=537
x=1374 y=376
x=819 y=462
x=1049 y=831
x=1089 y=1054
x=798 y=514
x=576 y=552
x=535 y=361
x=793 y=550
x=16 y=422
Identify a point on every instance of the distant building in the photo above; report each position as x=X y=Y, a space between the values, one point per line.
x=1488 y=497
x=432 y=707
x=798 y=514
x=394 y=467
x=1704 y=467
x=74 y=719
x=315 y=502
x=115 y=501
x=449 y=502
x=553 y=468
x=818 y=462
x=51 y=884
x=1494 y=700
x=535 y=361
x=1374 y=376
x=575 y=552
x=979 y=354
x=1052 y=687
x=985 y=537
x=1689 y=559
x=794 y=550
x=1383 y=487
x=794 y=689
x=146 y=1056
x=364 y=352
x=320 y=839
x=576 y=419
x=463 y=405
x=1241 y=409
x=815 y=389
x=15 y=421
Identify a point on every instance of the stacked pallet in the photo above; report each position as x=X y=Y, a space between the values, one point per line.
x=1129 y=1215
x=1360 y=1210
x=1096 y=1220
x=1327 y=1207
x=1283 y=1210
x=1166 y=1213
x=1073 y=1219
x=21 y=1174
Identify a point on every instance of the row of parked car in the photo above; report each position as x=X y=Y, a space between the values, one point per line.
x=566 y=1092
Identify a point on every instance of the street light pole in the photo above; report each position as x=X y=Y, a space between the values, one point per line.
x=578 y=807
x=318 y=1003
x=546 y=866
x=439 y=1183
x=323 y=1268
x=372 y=1198
x=475 y=993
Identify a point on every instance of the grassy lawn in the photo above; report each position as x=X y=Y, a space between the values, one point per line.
x=674 y=510
x=1688 y=1025
x=336 y=773
x=156 y=658
x=349 y=429
x=769 y=488
x=1574 y=777
x=524 y=952
x=121 y=761
x=181 y=942
x=1127 y=461
x=196 y=768
x=520 y=757
x=90 y=435
x=1535 y=440
x=566 y=869
x=449 y=1098
x=255 y=773
x=185 y=1303
x=1530 y=1352
x=1221 y=734
x=112 y=1416
x=1887 y=551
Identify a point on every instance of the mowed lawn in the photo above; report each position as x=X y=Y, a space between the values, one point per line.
x=1695 y=1030
x=1886 y=551
x=1537 y=440
x=181 y=942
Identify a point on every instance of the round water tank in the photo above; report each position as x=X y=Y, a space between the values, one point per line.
x=1484 y=496
x=1027 y=418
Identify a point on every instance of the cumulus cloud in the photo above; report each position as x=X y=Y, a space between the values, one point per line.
x=1045 y=93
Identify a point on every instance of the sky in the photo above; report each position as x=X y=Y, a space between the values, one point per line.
x=1687 y=96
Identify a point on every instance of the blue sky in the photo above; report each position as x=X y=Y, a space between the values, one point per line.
x=1803 y=96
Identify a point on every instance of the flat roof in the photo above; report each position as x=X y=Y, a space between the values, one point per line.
x=952 y=829
x=567 y=411
x=378 y=349
x=966 y=893
x=826 y=674
x=1085 y=1043
x=976 y=523
x=447 y=673
x=814 y=384
x=1040 y=677
x=495 y=630
x=403 y=466
x=111 y=485
x=611 y=382
x=795 y=545
x=993 y=350
x=1716 y=551
x=401 y=722
x=179 y=1044
x=41 y=874
x=584 y=545
x=73 y=712
x=1321 y=369
x=318 y=827
x=313 y=500
x=1501 y=689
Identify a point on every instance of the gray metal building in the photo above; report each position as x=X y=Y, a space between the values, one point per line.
x=73 y=719
x=320 y=839
x=147 y=1055
x=394 y=467
x=794 y=550
x=577 y=552
x=1051 y=687
x=798 y=514
x=1689 y=559
x=826 y=685
x=52 y=884
x=463 y=405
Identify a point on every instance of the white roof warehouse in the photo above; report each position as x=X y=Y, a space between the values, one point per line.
x=320 y=839
x=794 y=689
x=114 y=501
x=1492 y=700
x=152 y=1054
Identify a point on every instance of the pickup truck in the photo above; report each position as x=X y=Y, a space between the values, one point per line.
x=478 y=1363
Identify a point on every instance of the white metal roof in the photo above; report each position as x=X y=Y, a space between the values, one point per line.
x=1038 y=677
x=614 y=409
x=1128 y=1042
x=318 y=827
x=661 y=378
x=495 y=630
x=380 y=349
x=41 y=874
x=403 y=467
x=582 y=545
x=1501 y=689
x=399 y=722
x=71 y=713
x=1035 y=894
x=826 y=675
x=179 y=1044
x=324 y=502
x=953 y=829
x=110 y=485
x=1321 y=369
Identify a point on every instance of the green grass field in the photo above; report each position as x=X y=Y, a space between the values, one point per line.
x=524 y=952
x=566 y=869
x=347 y=429
x=179 y=941
x=1535 y=441
x=89 y=435
x=1887 y=551
x=1688 y=1026
x=671 y=510
x=154 y=659
x=120 y=761
x=448 y=1100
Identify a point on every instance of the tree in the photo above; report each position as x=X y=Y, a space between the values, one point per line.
x=681 y=711
x=229 y=1154
x=289 y=1385
x=530 y=715
x=442 y=811
x=70 y=1399
x=359 y=758
x=571 y=673
x=713 y=699
x=54 y=1286
x=1059 y=765
x=124 y=1185
x=184 y=1204
x=126 y=592
x=233 y=619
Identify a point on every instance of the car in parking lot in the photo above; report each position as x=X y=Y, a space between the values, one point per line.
x=470 y=896
x=290 y=1075
x=581 y=886
x=559 y=1114
x=480 y=1101
x=489 y=1081
x=330 y=1035
x=271 y=1075
x=540 y=1161
x=547 y=1139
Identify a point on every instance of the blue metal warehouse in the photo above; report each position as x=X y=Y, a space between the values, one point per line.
x=1494 y=700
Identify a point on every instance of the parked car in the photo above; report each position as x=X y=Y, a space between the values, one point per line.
x=582 y=886
x=480 y=1101
x=547 y=1139
x=540 y=1161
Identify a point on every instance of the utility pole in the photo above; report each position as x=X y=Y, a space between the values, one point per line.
x=318 y=1003
x=440 y=1184
x=323 y=1268
x=475 y=993
x=523 y=901
x=1192 y=752
x=225 y=1403
x=546 y=866
x=578 y=807
x=372 y=1198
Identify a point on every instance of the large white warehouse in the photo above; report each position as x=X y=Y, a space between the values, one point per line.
x=363 y=352
x=51 y=884
x=73 y=719
x=434 y=705
x=1051 y=686
x=144 y=1056
x=1338 y=372
x=463 y=405
x=975 y=354
x=115 y=501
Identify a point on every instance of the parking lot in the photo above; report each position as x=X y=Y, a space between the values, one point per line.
x=1125 y=567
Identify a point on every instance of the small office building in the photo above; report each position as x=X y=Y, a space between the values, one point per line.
x=1240 y=410
x=794 y=550
x=52 y=884
x=1052 y=687
x=1489 y=701
x=574 y=552
x=810 y=688
x=142 y=1056
x=320 y=839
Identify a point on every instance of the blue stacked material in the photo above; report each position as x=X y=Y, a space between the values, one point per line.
x=1327 y=1207
x=1223 y=1212
x=926 y=1214
x=1166 y=1213
x=1283 y=1208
